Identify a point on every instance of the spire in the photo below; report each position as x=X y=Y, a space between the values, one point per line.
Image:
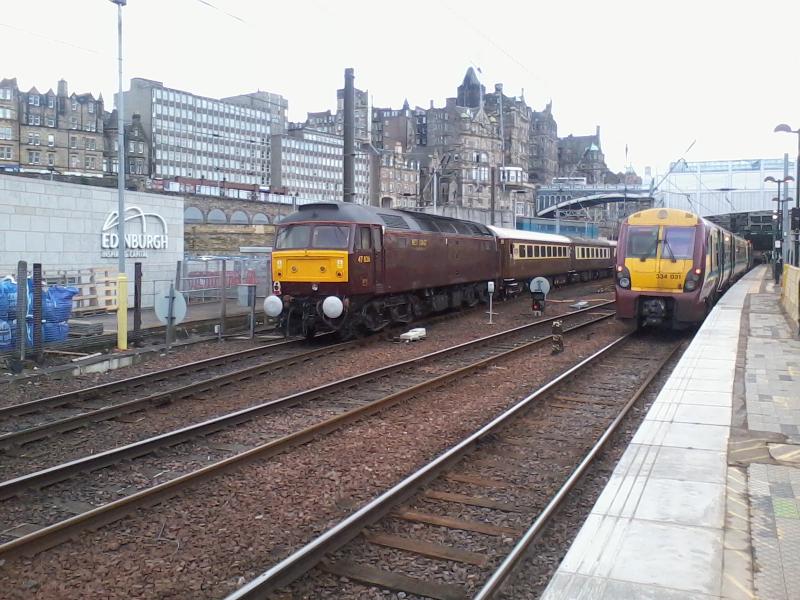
x=471 y=92
x=405 y=104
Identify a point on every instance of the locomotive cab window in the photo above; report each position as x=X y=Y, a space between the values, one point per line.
x=376 y=239
x=331 y=236
x=293 y=236
x=364 y=239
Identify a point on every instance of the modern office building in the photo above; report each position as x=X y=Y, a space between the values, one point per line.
x=308 y=163
x=204 y=138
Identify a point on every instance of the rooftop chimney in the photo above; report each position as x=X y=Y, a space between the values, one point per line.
x=63 y=91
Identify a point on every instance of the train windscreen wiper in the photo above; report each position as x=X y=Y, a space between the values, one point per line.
x=668 y=247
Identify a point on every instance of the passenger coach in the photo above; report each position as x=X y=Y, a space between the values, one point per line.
x=672 y=266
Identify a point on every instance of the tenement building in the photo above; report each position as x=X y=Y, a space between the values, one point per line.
x=203 y=138
x=50 y=132
x=137 y=147
x=308 y=163
x=543 y=157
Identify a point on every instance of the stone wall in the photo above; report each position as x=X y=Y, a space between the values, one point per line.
x=790 y=293
x=230 y=205
x=62 y=226
x=226 y=240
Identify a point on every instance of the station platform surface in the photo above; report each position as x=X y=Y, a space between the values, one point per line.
x=194 y=312
x=705 y=502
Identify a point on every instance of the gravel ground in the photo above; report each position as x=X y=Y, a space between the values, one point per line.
x=127 y=429
x=92 y=489
x=532 y=457
x=202 y=543
x=26 y=390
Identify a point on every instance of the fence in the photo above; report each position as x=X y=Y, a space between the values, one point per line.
x=201 y=280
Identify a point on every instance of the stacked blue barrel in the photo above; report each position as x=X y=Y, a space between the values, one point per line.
x=56 y=312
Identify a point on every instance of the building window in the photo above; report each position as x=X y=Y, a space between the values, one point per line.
x=91 y=107
x=5 y=113
x=5 y=133
x=51 y=159
x=34 y=157
x=51 y=122
x=5 y=152
x=131 y=147
x=74 y=104
x=89 y=162
x=5 y=94
x=73 y=141
x=73 y=161
x=73 y=122
x=141 y=147
x=51 y=140
x=51 y=102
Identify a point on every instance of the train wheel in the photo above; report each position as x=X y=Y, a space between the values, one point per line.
x=470 y=297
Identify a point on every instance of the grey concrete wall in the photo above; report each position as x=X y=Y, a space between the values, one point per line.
x=60 y=225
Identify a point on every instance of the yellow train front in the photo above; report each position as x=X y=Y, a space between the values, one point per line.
x=672 y=266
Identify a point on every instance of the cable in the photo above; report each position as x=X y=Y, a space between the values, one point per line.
x=52 y=39
x=225 y=12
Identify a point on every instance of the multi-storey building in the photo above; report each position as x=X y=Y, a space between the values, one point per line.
x=276 y=105
x=514 y=126
x=543 y=135
x=52 y=132
x=581 y=156
x=9 y=125
x=391 y=127
x=308 y=163
x=137 y=147
x=200 y=137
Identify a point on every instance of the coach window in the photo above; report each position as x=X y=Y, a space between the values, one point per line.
x=549 y=251
x=363 y=239
x=536 y=251
x=530 y=251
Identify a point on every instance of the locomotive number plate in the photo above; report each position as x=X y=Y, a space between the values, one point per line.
x=364 y=259
x=668 y=275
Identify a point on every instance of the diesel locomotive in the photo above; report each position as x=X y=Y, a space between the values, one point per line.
x=672 y=266
x=349 y=268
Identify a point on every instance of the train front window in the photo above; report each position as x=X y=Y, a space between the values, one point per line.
x=293 y=236
x=331 y=236
x=678 y=242
x=643 y=241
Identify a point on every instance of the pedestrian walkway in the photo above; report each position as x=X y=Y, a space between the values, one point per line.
x=705 y=502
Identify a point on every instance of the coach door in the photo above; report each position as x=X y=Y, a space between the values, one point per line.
x=379 y=262
x=363 y=267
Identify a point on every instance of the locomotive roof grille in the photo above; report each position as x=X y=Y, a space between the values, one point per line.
x=394 y=221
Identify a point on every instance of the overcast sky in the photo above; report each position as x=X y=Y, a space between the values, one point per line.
x=655 y=75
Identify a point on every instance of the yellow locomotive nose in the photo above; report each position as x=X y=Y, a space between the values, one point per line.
x=309 y=265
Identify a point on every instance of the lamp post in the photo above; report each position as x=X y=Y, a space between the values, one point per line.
x=779 y=182
x=122 y=279
x=784 y=128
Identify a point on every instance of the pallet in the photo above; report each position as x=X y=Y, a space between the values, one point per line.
x=97 y=289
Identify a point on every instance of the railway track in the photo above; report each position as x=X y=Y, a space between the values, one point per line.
x=457 y=527
x=39 y=419
x=314 y=412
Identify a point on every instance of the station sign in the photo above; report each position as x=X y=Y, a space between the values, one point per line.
x=143 y=232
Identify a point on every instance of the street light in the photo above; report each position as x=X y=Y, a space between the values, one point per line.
x=784 y=128
x=779 y=182
x=122 y=280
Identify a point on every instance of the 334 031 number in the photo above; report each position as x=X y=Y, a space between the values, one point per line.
x=668 y=276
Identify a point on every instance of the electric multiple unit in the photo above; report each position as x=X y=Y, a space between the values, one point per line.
x=672 y=266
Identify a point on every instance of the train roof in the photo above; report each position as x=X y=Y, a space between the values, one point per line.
x=387 y=217
x=532 y=236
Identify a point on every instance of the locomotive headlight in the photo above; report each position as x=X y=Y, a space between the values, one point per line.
x=624 y=282
x=273 y=306
x=623 y=277
x=690 y=285
x=692 y=280
x=332 y=307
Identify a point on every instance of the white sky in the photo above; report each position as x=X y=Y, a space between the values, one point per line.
x=655 y=75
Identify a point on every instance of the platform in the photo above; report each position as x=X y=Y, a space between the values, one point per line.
x=705 y=502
